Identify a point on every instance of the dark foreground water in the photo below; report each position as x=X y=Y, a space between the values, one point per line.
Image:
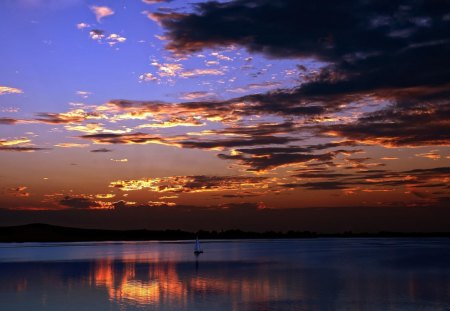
x=315 y=274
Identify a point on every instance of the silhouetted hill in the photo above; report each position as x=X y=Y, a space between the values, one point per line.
x=50 y=233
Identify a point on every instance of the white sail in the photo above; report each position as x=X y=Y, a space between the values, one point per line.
x=197 y=248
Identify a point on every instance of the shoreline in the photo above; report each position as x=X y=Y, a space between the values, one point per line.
x=51 y=233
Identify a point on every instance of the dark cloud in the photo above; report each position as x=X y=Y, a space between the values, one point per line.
x=275 y=160
x=396 y=51
x=185 y=142
x=240 y=195
x=373 y=179
x=8 y=121
x=321 y=174
x=78 y=202
x=402 y=124
x=102 y=150
x=430 y=171
x=59 y=118
x=321 y=185
x=296 y=149
x=259 y=129
x=132 y=138
x=237 y=142
x=73 y=116
x=22 y=149
x=371 y=44
x=268 y=158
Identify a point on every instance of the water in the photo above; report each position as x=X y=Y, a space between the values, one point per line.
x=310 y=274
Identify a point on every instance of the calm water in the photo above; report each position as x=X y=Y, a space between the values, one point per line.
x=316 y=274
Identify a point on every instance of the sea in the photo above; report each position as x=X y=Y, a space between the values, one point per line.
x=247 y=275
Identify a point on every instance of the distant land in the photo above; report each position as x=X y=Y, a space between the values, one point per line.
x=50 y=233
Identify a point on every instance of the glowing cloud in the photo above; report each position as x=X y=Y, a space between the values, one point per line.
x=101 y=12
x=9 y=90
x=83 y=25
x=71 y=145
x=192 y=184
x=147 y=77
x=19 y=192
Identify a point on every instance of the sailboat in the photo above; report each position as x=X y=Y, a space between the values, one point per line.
x=197 y=250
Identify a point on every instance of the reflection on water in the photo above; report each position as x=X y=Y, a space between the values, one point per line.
x=322 y=274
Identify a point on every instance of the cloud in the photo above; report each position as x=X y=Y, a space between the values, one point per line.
x=83 y=25
x=160 y=203
x=167 y=69
x=373 y=180
x=22 y=149
x=19 y=145
x=173 y=122
x=401 y=124
x=84 y=94
x=235 y=142
x=102 y=37
x=97 y=34
x=101 y=150
x=9 y=90
x=275 y=160
x=253 y=130
x=19 y=191
x=433 y=155
x=78 y=202
x=193 y=184
x=9 y=109
x=254 y=86
x=155 y=1
x=101 y=12
x=9 y=121
x=403 y=63
x=262 y=159
x=120 y=160
x=314 y=174
x=71 y=145
x=197 y=95
x=383 y=81
x=114 y=38
x=148 y=77
x=201 y=72
x=72 y=116
x=322 y=185
x=12 y=142
x=132 y=138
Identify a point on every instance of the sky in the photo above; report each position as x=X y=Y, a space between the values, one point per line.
x=250 y=114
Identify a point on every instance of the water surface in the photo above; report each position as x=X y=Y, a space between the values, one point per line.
x=303 y=274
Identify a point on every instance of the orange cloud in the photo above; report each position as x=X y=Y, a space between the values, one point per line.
x=193 y=184
x=71 y=145
x=433 y=155
x=4 y=142
x=119 y=160
x=19 y=191
x=101 y=12
x=161 y=203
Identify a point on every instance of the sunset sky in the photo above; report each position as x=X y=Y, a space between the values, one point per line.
x=145 y=113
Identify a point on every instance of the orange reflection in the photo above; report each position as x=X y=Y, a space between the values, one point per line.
x=158 y=284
